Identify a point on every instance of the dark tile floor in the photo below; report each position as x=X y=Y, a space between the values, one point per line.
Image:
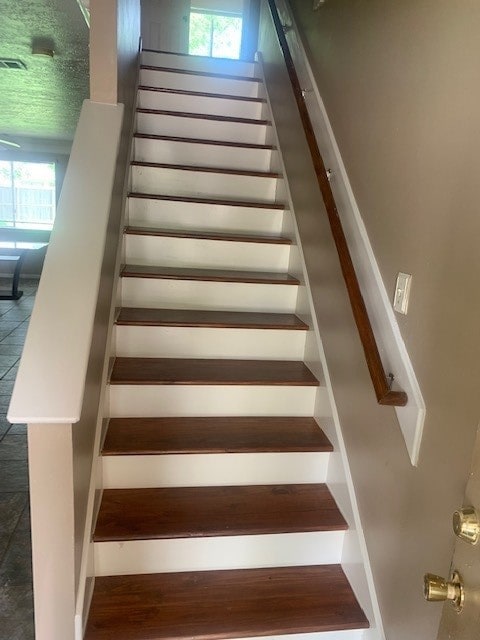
x=16 y=602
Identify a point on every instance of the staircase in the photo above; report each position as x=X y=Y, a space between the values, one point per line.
x=215 y=520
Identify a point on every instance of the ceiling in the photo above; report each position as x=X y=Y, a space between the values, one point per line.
x=42 y=103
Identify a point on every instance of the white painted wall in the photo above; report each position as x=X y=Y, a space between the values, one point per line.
x=165 y=25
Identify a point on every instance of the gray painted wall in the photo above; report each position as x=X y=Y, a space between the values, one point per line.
x=400 y=81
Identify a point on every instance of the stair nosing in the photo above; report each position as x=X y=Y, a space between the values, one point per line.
x=207 y=275
x=296 y=599
x=212 y=201
x=217 y=143
x=204 y=116
x=214 y=435
x=206 y=169
x=207 y=74
x=201 y=94
x=305 y=508
x=199 y=235
x=142 y=371
x=232 y=322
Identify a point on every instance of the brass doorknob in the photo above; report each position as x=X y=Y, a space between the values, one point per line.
x=437 y=589
x=466 y=524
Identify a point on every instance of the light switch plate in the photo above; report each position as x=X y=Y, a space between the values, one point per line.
x=402 y=292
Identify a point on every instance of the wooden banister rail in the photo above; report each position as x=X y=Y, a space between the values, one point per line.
x=381 y=383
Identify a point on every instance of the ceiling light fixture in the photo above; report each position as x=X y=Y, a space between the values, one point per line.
x=38 y=51
x=42 y=46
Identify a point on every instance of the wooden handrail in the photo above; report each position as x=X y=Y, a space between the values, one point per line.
x=381 y=383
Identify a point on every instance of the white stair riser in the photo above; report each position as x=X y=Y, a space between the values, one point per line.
x=212 y=400
x=185 y=127
x=216 y=553
x=206 y=84
x=206 y=155
x=199 y=63
x=200 y=342
x=200 y=104
x=204 y=217
x=188 y=294
x=353 y=634
x=205 y=470
x=202 y=184
x=214 y=254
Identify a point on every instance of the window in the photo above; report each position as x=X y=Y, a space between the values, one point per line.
x=217 y=35
x=27 y=195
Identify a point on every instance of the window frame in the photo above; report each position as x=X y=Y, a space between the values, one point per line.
x=224 y=14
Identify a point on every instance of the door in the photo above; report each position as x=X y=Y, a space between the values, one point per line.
x=466 y=560
x=165 y=25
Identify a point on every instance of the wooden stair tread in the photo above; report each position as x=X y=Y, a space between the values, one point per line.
x=157 y=436
x=212 y=201
x=218 y=143
x=212 y=605
x=209 y=275
x=202 y=512
x=205 y=235
x=203 y=169
x=192 y=371
x=141 y=316
x=190 y=72
x=200 y=94
x=203 y=116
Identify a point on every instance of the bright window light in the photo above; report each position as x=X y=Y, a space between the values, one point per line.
x=217 y=35
x=27 y=195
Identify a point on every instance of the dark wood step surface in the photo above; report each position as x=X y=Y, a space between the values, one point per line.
x=203 y=169
x=212 y=605
x=207 y=74
x=200 y=94
x=203 y=116
x=205 y=235
x=212 y=201
x=207 y=275
x=218 y=143
x=157 y=436
x=191 y=371
x=200 y=512
x=139 y=316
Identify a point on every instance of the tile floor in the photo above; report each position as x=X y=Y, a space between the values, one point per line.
x=16 y=602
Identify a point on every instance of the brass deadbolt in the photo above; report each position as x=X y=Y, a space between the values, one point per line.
x=437 y=589
x=466 y=524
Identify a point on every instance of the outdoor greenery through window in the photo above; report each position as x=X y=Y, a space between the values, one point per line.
x=218 y=35
x=27 y=195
